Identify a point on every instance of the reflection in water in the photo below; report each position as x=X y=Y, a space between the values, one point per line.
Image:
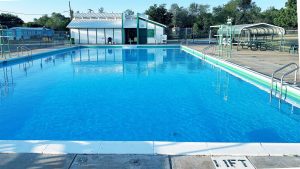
x=221 y=83
x=6 y=82
x=141 y=62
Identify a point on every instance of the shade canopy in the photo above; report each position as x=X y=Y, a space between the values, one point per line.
x=259 y=29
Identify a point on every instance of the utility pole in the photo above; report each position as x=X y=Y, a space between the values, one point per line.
x=71 y=11
x=298 y=15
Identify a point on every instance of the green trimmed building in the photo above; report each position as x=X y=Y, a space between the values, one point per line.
x=115 y=28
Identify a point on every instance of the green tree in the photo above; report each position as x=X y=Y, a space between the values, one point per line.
x=288 y=16
x=196 y=29
x=159 y=13
x=198 y=9
x=269 y=15
x=248 y=12
x=221 y=13
x=241 y=11
x=128 y=12
x=181 y=17
x=56 y=21
x=101 y=10
x=10 y=20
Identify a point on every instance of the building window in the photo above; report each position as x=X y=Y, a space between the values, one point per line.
x=150 y=33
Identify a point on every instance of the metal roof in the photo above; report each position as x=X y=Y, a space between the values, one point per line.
x=106 y=20
x=30 y=28
x=94 y=23
x=104 y=16
x=153 y=22
x=254 y=29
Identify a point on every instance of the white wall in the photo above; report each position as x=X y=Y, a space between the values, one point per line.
x=83 y=36
x=100 y=36
x=118 y=36
x=75 y=35
x=96 y=36
x=92 y=36
x=158 y=34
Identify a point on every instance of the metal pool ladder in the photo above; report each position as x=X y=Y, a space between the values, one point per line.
x=24 y=48
x=294 y=70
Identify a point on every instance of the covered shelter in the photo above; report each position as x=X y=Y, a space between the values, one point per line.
x=261 y=36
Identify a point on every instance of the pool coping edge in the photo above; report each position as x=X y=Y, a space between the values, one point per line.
x=258 y=79
x=149 y=147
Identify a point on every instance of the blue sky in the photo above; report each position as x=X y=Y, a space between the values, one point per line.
x=49 y=6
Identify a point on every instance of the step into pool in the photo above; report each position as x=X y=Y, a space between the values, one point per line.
x=137 y=94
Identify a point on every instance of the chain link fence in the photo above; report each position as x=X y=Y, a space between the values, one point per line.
x=188 y=36
x=58 y=38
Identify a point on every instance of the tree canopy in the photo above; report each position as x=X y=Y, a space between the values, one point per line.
x=128 y=12
x=287 y=17
x=56 y=21
x=159 y=13
x=201 y=16
x=10 y=20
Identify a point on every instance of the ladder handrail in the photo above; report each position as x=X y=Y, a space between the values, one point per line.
x=278 y=70
x=287 y=73
x=296 y=69
x=24 y=48
x=285 y=66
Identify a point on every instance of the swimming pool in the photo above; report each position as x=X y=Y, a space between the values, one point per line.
x=137 y=94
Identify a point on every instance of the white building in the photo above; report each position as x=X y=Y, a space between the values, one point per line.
x=115 y=28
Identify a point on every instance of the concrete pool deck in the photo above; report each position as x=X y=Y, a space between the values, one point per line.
x=14 y=55
x=265 y=62
x=78 y=161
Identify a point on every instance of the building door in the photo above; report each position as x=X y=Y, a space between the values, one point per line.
x=143 y=36
x=130 y=36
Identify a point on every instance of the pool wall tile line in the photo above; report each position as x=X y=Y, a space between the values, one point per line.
x=150 y=148
x=293 y=94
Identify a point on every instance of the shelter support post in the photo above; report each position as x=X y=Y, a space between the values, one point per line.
x=138 y=28
x=209 y=36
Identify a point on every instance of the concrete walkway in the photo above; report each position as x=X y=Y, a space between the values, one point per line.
x=76 y=161
x=34 y=51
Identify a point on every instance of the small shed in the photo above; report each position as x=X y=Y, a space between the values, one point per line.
x=115 y=28
x=24 y=33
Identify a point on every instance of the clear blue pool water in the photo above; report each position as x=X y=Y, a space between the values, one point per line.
x=137 y=95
